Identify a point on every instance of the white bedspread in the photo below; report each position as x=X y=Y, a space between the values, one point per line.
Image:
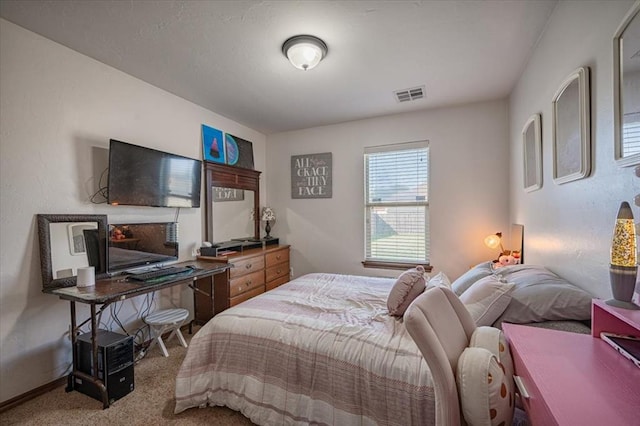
x=321 y=349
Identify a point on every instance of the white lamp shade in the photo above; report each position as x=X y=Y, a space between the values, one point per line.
x=304 y=52
x=268 y=214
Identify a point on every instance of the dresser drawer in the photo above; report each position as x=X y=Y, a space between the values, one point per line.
x=246 y=266
x=278 y=271
x=245 y=283
x=277 y=257
x=246 y=296
x=277 y=283
x=534 y=404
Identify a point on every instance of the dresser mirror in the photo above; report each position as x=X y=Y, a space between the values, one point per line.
x=626 y=90
x=233 y=208
x=69 y=242
x=232 y=197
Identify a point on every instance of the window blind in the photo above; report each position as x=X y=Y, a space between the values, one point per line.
x=397 y=203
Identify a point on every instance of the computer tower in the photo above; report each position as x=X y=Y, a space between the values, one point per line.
x=115 y=364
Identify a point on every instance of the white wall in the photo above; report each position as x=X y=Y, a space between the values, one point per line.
x=468 y=187
x=569 y=227
x=58 y=111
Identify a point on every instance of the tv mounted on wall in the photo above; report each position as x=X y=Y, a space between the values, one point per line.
x=140 y=176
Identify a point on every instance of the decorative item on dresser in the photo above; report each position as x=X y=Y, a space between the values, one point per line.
x=254 y=271
x=268 y=216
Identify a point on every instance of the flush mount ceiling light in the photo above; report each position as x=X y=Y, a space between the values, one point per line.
x=304 y=51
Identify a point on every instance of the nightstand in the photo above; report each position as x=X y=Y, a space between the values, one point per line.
x=577 y=379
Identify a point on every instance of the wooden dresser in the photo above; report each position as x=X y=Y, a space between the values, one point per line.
x=254 y=271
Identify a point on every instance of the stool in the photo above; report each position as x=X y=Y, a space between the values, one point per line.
x=163 y=321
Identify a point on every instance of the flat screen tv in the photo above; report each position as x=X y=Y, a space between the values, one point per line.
x=140 y=176
x=135 y=245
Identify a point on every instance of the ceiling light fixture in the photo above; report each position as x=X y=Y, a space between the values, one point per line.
x=304 y=51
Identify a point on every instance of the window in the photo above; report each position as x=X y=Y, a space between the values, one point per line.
x=397 y=205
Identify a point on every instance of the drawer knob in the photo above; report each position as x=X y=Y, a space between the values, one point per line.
x=279 y=271
x=248 y=266
x=278 y=257
x=248 y=283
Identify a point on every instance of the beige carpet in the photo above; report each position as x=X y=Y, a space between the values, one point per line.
x=151 y=403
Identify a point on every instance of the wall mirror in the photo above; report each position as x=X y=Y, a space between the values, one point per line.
x=232 y=197
x=532 y=153
x=69 y=242
x=571 y=128
x=626 y=89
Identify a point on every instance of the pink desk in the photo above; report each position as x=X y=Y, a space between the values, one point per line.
x=577 y=379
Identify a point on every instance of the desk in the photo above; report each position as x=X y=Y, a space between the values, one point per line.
x=578 y=379
x=116 y=289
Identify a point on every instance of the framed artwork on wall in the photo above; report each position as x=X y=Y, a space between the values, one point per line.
x=212 y=145
x=239 y=151
x=571 y=128
x=311 y=176
x=532 y=153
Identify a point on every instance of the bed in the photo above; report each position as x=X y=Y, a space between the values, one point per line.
x=320 y=349
x=323 y=348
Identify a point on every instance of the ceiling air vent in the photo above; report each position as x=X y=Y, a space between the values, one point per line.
x=412 y=94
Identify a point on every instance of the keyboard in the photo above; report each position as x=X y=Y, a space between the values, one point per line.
x=159 y=273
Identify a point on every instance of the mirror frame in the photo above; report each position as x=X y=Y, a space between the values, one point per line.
x=532 y=163
x=582 y=125
x=44 y=220
x=618 y=83
x=230 y=177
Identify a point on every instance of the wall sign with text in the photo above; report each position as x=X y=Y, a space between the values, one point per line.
x=311 y=176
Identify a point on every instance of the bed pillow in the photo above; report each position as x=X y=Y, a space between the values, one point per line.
x=541 y=295
x=409 y=285
x=482 y=384
x=439 y=280
x=467 y=279
x=487 y=299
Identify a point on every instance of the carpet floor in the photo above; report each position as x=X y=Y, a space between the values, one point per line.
x=151 y=403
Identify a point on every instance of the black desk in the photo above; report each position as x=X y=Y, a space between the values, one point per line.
x=113 y=290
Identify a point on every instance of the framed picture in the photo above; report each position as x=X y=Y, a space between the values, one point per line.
x=213 y=145
x=239 y=151
x=571 y=128
x=532 y=153
x=311 y=176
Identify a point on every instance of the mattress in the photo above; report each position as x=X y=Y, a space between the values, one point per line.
x=321 y=349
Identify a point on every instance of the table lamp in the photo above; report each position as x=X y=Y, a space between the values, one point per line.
x=268 y=216
x=624 y=260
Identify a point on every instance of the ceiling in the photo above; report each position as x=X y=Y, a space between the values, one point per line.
x=226 y=55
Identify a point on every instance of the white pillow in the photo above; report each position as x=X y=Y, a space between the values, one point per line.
x=467 y=279
x=439 y=280
x=487 y=299
x=483 y=389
